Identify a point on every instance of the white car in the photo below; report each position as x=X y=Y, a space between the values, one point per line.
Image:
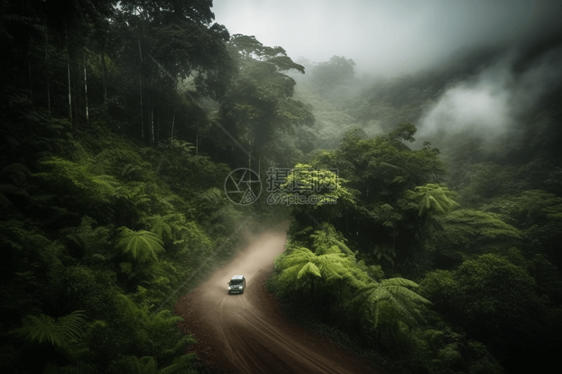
x=237 y=284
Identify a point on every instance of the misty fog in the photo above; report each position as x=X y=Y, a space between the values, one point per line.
x=494 y=60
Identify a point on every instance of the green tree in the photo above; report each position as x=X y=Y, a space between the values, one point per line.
x=259 y=107
x=332 y=74
x=385 y=220
x=494 y=300
x=467 y=233
x=538 y=215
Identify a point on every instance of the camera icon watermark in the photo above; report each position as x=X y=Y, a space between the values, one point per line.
x=286 y=186
x=242 y=186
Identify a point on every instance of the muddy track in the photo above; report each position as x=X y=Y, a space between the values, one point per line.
x=248 y=333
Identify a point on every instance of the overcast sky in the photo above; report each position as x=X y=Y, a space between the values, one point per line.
x=508 y=53
x=380 y=35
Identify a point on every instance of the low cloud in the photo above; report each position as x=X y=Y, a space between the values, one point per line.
x=491 y=102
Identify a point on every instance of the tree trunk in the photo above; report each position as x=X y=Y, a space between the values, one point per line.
x=29 y=68
x=142 y=116
x=78 y=91
x=173 y=122
x=151 y=126
x=140 y=85
x=86 y=89
x=104 y=70
x=158 y=121
x=69 y=87
x=48 y=72
x=140 y=50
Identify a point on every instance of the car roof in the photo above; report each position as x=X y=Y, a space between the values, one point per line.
x=238 y=277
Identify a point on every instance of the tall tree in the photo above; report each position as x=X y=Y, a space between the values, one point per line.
x=259 y=108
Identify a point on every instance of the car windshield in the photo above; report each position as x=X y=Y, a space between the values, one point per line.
x=236 y=281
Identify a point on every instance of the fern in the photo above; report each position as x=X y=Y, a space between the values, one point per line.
x=107 y=183
x=309 y=268
x=128 y=170
x=61 y=333
x=159 y=225
x=133 y=193
x=142 y=245
x=93 y=243
x=432 y=197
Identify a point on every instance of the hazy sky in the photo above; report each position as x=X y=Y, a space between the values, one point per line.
x=507 y=53
x=379 y=35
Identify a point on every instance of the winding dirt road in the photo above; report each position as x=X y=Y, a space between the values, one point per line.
x=248 y=333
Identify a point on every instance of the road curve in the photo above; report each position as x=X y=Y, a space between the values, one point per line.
x=248 y=333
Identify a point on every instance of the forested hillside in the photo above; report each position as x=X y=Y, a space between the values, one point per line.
x=437 y=249
x=112 y=178
x=470 y=216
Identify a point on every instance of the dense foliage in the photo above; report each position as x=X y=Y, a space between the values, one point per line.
x=107 y=209
x=119 y=126
x=477 y=228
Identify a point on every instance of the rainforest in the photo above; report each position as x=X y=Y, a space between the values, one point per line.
x=394 y=206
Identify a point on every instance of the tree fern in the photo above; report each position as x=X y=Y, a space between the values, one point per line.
x=309 y=268
x=60 y=333
x=302 y=264
x=395 y=291
x=93 y=243
x=142 y=245
x=212 y=196
x=133 y=193
x=165 y=202
x=325 y=239
x=108 y=183
x=469 y=231
x=128 y=171
x=434 y=198
x=159 y=225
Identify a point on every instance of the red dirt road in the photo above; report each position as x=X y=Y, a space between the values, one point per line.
x=248 y=333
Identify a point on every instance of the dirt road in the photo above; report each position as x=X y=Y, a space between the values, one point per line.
x=248 y=333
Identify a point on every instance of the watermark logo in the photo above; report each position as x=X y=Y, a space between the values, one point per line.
x=298 y=199
x=301 y=186
x=286 y=186
x=301 y=180
x=242 y=186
